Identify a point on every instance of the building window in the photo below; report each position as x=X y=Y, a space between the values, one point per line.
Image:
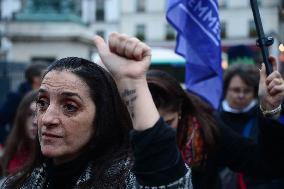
x=0 y=10
x=252 y=29
x=170 y=33
x=0 y=41
x=281 y=12
x=43 y=59
x=140 y=32
x=78 y=7
x=100 y=10
x=223 y=30
x=223 y=3
x=101 y=33
x=140 y=5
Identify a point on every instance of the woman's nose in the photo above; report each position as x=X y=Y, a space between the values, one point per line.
x=51 y=116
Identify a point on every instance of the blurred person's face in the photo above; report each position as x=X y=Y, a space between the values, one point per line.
x=170 y=118
x=65 y=113
x=239 y=94
x=36 y=82
x=31 y=125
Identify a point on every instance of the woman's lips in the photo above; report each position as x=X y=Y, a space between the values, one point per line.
x=50 y=135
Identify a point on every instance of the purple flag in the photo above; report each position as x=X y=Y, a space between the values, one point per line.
x=198 y=41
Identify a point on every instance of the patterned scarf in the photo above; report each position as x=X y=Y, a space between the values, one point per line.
x=39 y=175
x=193 y=149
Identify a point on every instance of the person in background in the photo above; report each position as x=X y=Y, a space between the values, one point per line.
x=239 y=111
x=239 y=107
x=207 y=144
x=9 y=107
x=84 y=116
x=20 y=144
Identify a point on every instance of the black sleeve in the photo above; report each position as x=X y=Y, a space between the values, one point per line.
x=157 y=158
x=263 y=159
x=271 y=136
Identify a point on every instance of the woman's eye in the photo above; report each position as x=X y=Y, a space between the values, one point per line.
x=70 y=108
x=169 y=122
x=42 y=104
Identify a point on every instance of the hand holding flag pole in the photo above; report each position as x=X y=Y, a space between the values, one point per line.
x=263 y=42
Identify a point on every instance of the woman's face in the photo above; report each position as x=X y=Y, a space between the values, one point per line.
x=239 y=94
x=65 y=113
x=170 y=118
x=31 y=125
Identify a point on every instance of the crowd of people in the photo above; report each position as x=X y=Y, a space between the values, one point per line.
x=122 y=125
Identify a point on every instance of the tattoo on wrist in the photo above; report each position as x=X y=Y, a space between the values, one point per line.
x=129 y=96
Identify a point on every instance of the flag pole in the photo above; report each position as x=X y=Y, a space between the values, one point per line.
x=263 y=42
